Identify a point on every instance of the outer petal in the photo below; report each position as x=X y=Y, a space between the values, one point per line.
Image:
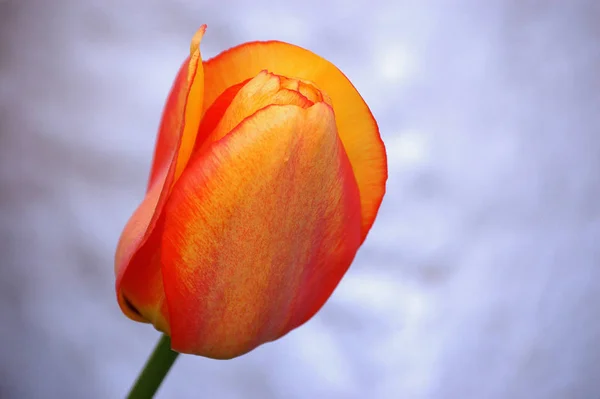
x=137 y=260
x=357 y=128
x=181 y=116
x=259 y=231
x=170 y=126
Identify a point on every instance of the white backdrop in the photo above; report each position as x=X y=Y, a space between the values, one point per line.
x=480 y=278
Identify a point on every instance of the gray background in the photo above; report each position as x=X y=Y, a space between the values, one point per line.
x=480 y=278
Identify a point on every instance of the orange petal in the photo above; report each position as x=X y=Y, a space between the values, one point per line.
x=137 y=261
x=181 y=118
x=258 y=231
x=170 y=126
x=355 y=124
x=131 y=298
x=215 y=112
x=194 y=104
x=263 y=90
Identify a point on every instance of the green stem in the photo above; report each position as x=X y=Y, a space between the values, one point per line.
x=155 y=370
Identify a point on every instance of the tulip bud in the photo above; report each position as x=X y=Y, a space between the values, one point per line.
x=267 y=176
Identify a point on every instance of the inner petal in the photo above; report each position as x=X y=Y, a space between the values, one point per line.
x=263 y=90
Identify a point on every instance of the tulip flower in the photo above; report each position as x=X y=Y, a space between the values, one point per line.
x=268 y=174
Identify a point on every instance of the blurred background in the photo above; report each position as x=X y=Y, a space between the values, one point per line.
x=480 y=278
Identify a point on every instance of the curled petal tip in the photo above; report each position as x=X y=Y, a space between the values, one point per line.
x=195 y=45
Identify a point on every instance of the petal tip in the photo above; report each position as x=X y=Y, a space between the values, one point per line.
x=196 y=39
